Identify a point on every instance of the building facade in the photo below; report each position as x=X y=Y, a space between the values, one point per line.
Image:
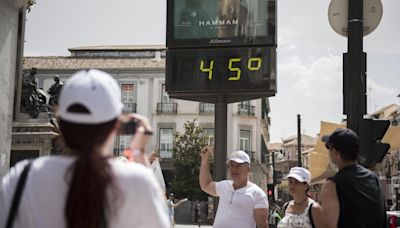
x=140 y=71
x=285 y=158
x=289 y=158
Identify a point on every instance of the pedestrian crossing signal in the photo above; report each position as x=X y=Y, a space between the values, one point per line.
x=270 y=192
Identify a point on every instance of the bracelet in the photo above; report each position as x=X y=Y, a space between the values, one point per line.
x=146 y=132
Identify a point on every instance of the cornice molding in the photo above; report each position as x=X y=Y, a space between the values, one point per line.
x=18 y=3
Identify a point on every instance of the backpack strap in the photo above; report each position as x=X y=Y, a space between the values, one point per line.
x=310 y=214
x=17 y=195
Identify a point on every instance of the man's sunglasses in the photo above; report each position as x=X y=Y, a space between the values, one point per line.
x=328 y=146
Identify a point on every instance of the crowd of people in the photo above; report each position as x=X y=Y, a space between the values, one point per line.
x=90 y=189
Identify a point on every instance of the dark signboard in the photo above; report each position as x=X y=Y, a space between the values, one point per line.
x=204 y=23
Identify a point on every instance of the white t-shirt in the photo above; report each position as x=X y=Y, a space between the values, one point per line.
x=236 y=207
x=43 y=201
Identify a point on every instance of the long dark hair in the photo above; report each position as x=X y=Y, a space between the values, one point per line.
x=90 y=175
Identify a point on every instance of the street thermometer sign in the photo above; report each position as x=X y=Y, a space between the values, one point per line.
x=221 y=48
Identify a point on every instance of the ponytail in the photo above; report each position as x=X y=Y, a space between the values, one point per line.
x=90 y=175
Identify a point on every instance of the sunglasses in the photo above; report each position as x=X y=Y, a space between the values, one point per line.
x=329 y=147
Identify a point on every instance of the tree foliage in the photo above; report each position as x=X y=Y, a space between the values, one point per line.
x=187 y=147
x=30 y=4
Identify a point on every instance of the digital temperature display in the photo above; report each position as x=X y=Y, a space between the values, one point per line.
x=230 y=70
x=235 y=71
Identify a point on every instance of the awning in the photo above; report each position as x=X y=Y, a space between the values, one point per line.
x=321 y=178
x=319 y=159
x=392 y=137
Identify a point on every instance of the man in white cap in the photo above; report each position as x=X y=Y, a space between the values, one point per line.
x=241 y=203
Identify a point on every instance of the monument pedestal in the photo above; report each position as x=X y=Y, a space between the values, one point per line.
x=31 y=137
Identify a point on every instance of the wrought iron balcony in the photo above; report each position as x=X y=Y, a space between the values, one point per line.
x=165 y=154
x=129 y=108
x=206 y=108
x=167 y=108
x=246 y=110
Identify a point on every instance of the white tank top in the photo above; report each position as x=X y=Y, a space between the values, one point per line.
x=296 y=220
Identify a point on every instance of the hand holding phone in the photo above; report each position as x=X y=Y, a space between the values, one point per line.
x=139 y=127
x=130 y=123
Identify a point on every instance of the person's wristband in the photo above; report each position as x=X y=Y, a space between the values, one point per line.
x=146 y=132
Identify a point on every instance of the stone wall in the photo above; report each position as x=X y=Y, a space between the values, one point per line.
x=9 y=17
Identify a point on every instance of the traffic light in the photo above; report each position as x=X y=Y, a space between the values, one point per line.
x=371 y=149
x=270 y=192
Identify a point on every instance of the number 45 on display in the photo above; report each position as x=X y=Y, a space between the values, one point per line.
x=250 y=67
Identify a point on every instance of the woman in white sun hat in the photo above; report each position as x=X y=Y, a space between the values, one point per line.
x=302 y=211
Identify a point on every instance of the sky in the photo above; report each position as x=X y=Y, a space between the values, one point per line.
x=309 y=53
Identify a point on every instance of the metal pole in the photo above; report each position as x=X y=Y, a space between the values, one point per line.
x=220 y=140
x=397 y=201
x=220 y=144
x=298 y=140
x=273 y=173
x=355 y=68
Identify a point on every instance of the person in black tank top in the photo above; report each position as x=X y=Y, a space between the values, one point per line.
x=353 y=197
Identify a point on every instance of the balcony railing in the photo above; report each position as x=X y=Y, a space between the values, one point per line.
x=206 y=108
x=165 y=154
x=246 y=110
x=167 y=108
x=129 y=108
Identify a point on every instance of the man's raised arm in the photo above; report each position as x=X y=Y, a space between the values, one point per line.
x=206 y=182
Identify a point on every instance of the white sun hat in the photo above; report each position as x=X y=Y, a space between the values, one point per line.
x=301 y=174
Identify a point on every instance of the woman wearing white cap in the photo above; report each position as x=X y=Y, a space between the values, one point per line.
x=302 y=211
x=87 y=189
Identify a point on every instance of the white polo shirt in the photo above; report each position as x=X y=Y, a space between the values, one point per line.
x=236 y=207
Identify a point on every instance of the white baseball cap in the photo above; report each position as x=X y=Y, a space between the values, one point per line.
x=301 y=174
x=93 y=90
x=240 y=157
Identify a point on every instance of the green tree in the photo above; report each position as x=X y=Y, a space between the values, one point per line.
x=30 y=4
x=187 y=147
